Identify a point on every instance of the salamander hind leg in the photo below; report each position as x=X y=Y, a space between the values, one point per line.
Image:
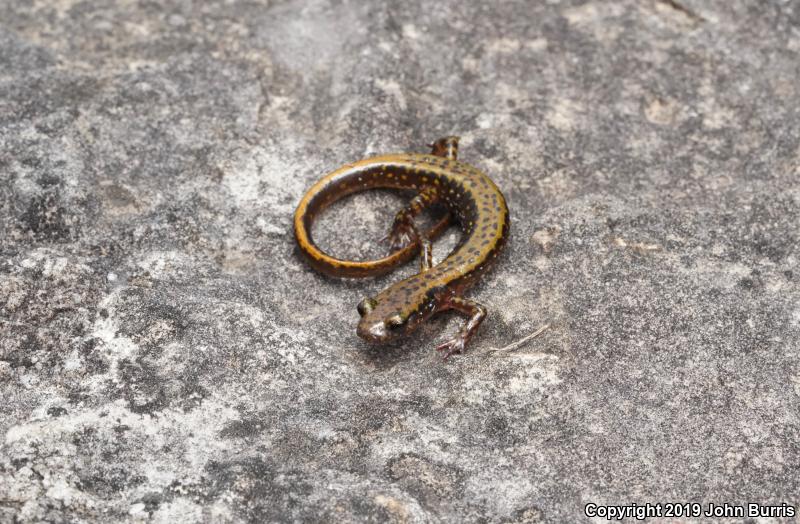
x=426 y=247
x=476 y=314
x=404 y=231
x=446 y=147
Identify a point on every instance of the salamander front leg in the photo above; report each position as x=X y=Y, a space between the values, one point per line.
x=476 y=313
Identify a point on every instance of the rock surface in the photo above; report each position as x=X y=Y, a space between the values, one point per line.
x=165 y=355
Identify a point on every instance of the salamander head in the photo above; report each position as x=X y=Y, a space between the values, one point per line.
x=382 y=320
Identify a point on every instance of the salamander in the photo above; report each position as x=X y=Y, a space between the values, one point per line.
x=471 y=199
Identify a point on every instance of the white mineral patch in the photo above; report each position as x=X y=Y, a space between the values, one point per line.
x=261 y=178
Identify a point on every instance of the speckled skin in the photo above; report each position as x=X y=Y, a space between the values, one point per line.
x=471 y=198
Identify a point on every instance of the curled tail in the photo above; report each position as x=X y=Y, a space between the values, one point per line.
x=350 y=179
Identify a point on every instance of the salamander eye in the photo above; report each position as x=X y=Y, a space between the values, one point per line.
x=394 y=321
x=366 y=305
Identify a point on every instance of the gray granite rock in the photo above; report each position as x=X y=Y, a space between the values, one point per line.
x=165 y=355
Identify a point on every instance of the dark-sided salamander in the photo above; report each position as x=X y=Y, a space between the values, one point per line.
x=471 y=198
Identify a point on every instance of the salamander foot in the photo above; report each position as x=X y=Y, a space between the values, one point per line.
x=452 y=347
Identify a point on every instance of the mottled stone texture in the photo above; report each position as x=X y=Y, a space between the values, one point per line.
x=165 y=354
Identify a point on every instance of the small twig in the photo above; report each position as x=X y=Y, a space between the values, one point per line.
x=520 y=342
x=685 y=11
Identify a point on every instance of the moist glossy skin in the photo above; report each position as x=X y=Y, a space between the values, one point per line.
x=472 y=200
